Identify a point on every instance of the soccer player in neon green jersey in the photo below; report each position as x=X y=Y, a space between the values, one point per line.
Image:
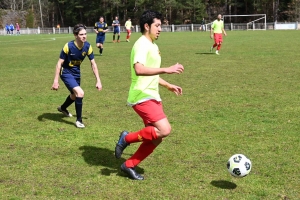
x=68 y=69
x=145 y=62
x=216 y=30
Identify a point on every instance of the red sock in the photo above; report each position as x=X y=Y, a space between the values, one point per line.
x=219 y=47
x=145 y=149
x=146 y=134
x=215 y=45
x=127 y=37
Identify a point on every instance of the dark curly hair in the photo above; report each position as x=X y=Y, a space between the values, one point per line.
x=148 y=17
x=77 y=28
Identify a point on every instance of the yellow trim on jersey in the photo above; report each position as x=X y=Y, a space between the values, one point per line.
x=90 y=50
x=66 y=48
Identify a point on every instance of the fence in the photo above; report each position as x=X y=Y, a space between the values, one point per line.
x=169 y=28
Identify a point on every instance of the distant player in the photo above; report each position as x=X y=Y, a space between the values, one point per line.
x=68 y=68
x=116 y=25
x=100 y=29
x=18 y=28
x=7 y=29
x=202 y=27
x=216 y=32
x=128 y=26
x=145 y=66
x=11 y=28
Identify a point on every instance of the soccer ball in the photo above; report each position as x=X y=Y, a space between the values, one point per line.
x=239 y=165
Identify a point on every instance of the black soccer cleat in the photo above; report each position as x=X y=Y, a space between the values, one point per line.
x=121 y=145
x=131 y=172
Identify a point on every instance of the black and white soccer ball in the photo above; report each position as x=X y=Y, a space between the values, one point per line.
x=239 y=165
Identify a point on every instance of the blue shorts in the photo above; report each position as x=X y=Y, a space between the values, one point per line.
x=117 y=31
x=70 y=81
x=100 y=39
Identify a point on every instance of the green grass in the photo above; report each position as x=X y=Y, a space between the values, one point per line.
x=244 y=101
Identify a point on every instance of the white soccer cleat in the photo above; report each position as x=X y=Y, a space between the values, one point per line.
x=79 y=124
x=217 y=53
x=65 y=112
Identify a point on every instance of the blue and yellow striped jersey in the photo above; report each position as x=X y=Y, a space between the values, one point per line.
x=116 y=22
x=73 y=57
x=100 y=28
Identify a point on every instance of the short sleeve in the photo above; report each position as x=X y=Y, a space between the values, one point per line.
x=90 y=53
x=64 y=52
x=139 y=55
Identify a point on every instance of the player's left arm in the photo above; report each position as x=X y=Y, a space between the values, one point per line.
x=224 y=32
x=96 y=73
x=173 y=88
x=90 y=55
x=105 y=28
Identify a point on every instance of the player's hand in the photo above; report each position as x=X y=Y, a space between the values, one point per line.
x=174 y=88
x=211 y=36
x=99 y=86
x=55 y=86
x=175 y=69
x=225 y=34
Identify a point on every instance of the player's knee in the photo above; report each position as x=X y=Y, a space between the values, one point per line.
x=164 y=132
x=80 y=94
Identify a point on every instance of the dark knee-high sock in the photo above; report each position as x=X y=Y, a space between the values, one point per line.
x=118 y=37
x=101 y=50
x=114 y=37
x=78 y=107
x=67 y=103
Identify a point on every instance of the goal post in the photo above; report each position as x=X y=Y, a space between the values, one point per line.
x=254 y=22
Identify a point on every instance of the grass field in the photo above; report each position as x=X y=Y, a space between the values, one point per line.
x=244 y=101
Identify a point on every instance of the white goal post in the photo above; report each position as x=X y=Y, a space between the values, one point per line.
x=259 y=22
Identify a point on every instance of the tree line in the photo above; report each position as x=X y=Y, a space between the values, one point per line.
x=50 y=13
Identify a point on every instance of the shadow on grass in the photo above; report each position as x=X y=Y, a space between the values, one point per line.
x=54 y=117
x=106 y=158
x=224 y=184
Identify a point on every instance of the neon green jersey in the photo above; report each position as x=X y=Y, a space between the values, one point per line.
x=217 y=26
x=144 y=88
x=128 y=24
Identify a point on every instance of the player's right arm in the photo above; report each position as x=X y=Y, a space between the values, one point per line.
x=96 y=28
x=211 y=31
x=55 y=84
x=141 y=70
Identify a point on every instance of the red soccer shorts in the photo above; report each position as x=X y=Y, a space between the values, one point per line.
x=218 y=38
x=150 y=111
x=128 y=31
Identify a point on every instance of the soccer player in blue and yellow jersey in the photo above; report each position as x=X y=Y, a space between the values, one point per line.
x=68 y=68
x=144 y=95
x=216 y=30
x=116 y=25
x=100 y=29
